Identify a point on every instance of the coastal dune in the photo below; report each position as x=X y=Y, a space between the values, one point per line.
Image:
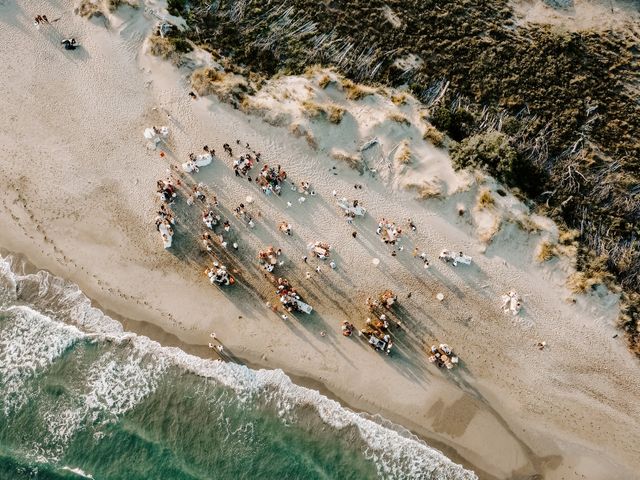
x=79 y=201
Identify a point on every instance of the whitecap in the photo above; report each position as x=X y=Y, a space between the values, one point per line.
x=117 y=383
x=77 y=471
x=29 y=343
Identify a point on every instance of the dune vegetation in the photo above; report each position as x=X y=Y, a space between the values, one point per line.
x=551 y=113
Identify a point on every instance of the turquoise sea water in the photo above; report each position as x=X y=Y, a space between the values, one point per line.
x=79 y=397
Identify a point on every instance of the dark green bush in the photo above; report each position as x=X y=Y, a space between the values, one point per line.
x=558 y=96
x=176 y=7
x=492 y=151
x=181 y=45
x=458 y=124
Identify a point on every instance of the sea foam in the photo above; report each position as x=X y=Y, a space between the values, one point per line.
x=31 y=341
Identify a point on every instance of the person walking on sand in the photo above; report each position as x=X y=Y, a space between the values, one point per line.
x=72 y=44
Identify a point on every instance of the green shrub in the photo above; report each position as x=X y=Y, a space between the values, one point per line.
x=176 y=7
x=181 y=45
x=458 y=124
x=493 y=152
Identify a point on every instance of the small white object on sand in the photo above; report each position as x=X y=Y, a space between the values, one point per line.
x=440 y=296
x=149 y=134
x=167 y=235
x=376 y=261
x=249 y=199
x=369 y=144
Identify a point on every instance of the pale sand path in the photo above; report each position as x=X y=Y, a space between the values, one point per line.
x=78 y=200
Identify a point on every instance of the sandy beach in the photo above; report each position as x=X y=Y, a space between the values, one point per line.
x=79 y=200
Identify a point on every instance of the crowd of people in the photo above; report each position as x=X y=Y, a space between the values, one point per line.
x=196 y=161
x=219 y=275
x=243 y=164
x=290 y=298
x=166 y=190
x=443 y=356
x=388 y=231
x=378 y=326
x=164 y=224
x=385 y=299
x=270 y=180
x=269 y=258
x=351 y=209
x=448 y=256
x=319 y=250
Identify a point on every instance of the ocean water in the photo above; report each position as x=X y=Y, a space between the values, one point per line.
x=81 y=398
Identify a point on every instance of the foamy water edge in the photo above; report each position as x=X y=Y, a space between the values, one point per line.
x=115 y=389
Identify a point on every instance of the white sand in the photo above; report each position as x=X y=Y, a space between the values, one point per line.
x=580 y=14
x=79 y=199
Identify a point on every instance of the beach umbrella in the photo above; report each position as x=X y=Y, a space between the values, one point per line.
x=440 y=296
x=376 y=261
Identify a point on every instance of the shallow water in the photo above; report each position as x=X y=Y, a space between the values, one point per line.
x=81 y=397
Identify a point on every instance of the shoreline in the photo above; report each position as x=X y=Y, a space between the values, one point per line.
x=168 y=339
x=93 y=226
x=156 y=333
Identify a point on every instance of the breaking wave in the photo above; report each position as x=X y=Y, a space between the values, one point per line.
x=94 y=376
